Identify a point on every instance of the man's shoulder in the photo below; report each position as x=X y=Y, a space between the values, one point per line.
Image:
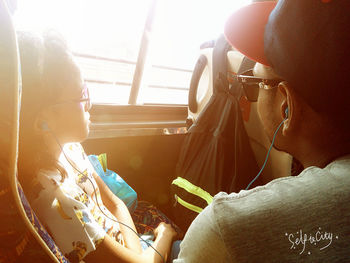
x=268 y=215
x=310 y=182
x=312 y=194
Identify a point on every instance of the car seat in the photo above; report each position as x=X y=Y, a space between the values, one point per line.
x=22 y=237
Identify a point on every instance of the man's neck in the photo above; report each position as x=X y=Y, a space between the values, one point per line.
x=322 y=152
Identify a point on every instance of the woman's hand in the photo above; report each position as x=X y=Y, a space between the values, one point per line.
x=164 y=229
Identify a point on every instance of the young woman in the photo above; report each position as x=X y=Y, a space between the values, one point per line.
x=87 y=221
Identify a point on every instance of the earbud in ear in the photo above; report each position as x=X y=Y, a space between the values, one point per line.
x=44 y=126
x=286 y=113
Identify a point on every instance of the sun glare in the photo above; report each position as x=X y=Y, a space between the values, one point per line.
x=113 y=28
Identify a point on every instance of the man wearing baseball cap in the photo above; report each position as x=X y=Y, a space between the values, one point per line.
x=302 y=50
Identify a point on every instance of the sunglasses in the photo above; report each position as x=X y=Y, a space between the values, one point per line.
x=251 y=84
x=84 y=99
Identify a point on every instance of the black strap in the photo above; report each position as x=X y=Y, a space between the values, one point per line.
x=219 y=64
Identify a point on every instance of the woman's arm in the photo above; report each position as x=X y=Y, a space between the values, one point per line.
x=121 y=212
x=165 y=235
x=111 y=251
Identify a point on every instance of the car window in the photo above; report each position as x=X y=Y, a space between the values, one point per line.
x=105 y=36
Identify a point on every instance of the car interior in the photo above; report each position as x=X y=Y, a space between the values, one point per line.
x=143 y=144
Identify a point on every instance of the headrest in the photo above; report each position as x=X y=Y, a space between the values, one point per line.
x=9 y=94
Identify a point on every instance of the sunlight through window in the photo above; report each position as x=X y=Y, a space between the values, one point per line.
x=105 y=36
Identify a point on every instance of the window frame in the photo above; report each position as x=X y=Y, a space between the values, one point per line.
x=112 y=120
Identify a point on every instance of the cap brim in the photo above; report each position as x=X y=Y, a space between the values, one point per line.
x=244 y=29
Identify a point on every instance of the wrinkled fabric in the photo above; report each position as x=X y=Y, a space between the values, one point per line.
x=305 y=218
x=69 y=210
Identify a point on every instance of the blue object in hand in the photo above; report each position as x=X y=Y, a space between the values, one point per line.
x=115 y=183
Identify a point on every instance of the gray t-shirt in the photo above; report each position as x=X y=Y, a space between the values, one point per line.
x=292 y=219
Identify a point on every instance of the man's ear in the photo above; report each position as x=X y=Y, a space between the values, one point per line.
x=287 y=107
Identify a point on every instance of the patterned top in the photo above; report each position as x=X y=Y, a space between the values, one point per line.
x=68 y=208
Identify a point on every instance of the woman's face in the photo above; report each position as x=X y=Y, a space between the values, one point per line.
x=69 y=117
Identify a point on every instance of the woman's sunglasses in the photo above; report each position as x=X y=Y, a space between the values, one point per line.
x=86 y=98
x=251 y=85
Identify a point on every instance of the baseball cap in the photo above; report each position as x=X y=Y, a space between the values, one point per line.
x=306 y=42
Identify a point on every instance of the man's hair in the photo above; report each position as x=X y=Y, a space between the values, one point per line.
x=307 y=44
